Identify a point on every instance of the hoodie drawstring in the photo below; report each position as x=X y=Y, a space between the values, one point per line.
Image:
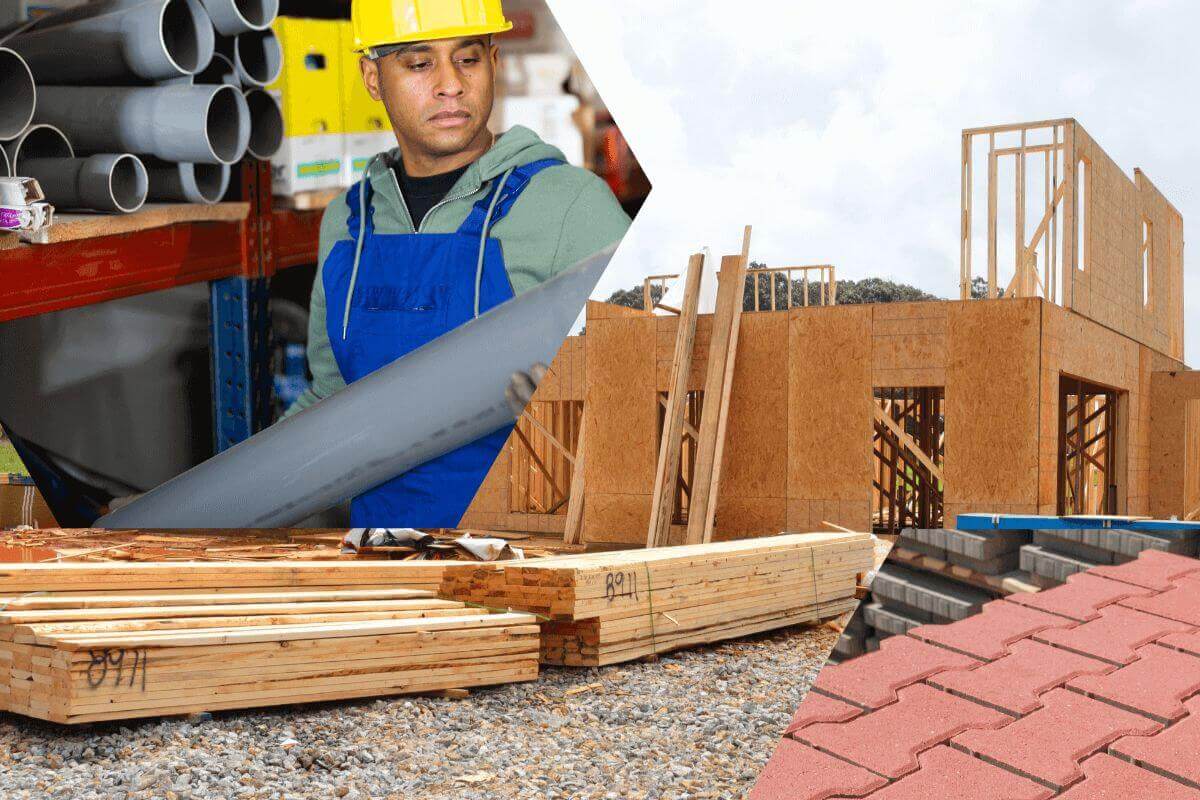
x=483 y=237
x=358 y=245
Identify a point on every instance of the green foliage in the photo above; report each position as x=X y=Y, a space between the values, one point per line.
x=632 y=298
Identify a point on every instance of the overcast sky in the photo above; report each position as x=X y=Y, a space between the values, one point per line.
x=834 y=128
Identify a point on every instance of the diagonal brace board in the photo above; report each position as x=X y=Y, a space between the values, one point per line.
x=908 y=443
x=666 y=474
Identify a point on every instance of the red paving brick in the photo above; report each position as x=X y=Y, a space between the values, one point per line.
x=1110 y=778
x=1156 y=684
x=1184 y=642
x=888 y=740
x=1153 y=569
x=1081 y=597
x=872 y=680
x=1015 y=683
x=1181 y=602
x=1115 y=635
x=817 y=707
x=946 y=773
x=987 y=635
x=1172 y=752
x=798 y=772
x=1048 y=744
x=1079 y=671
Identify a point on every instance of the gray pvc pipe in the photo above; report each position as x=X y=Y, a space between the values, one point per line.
x=257 y=55
x=231 y=17
x=111 y=41
x=37 y=141
x=188 y=183
x=433 y=400
x=18 y=94
x=266 y=124
x=115 y=183
x=5 y=165
x=219 y=70
x=200 y=124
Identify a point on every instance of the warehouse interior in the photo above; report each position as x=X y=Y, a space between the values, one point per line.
x=136 y=345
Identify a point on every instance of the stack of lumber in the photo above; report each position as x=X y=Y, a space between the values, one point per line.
x=606 y=608
x=110 y=641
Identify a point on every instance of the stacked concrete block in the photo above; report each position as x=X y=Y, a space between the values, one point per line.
x=1052 y=557
x=904 y=598
x=988 y=553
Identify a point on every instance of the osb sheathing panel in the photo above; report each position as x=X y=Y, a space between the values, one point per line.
x=829 y=412
x=1174 y=470
x=755 y=458
x=620 y=427
x=909 y=344
x=1109 y=287
x=991 y=452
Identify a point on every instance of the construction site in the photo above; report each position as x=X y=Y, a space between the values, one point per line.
x=1062 y=392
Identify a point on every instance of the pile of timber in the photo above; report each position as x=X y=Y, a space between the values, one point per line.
x=607 y=608
x=119 y=641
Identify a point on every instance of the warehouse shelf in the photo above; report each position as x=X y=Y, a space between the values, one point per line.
x=234 y=247
x=93 y=258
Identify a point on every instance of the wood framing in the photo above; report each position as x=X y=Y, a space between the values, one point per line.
x=1096 y=230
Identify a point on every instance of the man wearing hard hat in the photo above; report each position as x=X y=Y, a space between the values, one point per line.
x=449 y=224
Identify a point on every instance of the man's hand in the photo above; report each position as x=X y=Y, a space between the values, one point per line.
x=522 y=385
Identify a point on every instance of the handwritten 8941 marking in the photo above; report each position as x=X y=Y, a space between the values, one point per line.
x=126 y=666
x=620 y=584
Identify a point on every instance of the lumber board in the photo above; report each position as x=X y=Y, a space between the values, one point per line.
x=602 y=608
x=111 y=641
x=667 y=472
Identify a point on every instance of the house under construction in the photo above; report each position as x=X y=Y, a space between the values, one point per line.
x=1062 y=392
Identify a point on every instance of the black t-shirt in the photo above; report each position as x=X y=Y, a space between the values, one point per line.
x=422 y=194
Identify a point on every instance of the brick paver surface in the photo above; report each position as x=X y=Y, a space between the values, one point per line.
x=1089 y=690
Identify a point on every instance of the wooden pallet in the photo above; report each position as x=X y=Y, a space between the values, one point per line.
x=78 y=657
x=606 y=608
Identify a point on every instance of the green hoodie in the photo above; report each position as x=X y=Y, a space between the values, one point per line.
x=564 y=215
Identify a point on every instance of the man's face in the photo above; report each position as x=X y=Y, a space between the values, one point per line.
x=438 y=94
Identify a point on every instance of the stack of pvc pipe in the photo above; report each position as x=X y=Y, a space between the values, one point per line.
x=118 y=101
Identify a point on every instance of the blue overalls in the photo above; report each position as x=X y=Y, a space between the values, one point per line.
x=405 y=290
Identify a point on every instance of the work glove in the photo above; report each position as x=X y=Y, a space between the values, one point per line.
x=522 y=385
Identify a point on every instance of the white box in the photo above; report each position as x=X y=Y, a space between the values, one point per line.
x=308 y=163
x=358 y=149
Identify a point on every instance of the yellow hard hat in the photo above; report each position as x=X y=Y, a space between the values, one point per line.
x=380 y=22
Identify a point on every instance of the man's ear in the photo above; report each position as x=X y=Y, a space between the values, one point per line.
x=495 y=56
x=370 y=75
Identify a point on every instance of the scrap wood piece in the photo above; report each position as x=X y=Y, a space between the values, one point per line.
x=718 y=384
x=667 y=472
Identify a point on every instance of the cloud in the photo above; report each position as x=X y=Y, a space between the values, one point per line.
x=835 y=128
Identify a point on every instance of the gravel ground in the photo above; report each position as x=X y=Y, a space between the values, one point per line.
x=695 y=724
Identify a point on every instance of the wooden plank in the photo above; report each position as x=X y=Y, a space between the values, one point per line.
x=72 y=227
x=717 y=387
x=573 y=533
x=667 y=470
x=908 y=442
